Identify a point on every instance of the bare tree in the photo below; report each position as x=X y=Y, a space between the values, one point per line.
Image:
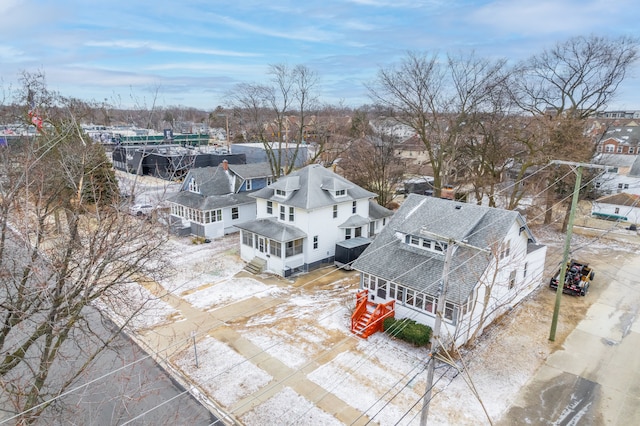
x=570 y=82
x=54 y=268
x=291 y=90
x=371 y=163
x=439 y=101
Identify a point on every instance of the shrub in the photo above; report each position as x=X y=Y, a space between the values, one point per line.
x=408 y=330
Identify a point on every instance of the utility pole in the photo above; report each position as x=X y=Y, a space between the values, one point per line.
x=435 y=337
x=567 y=242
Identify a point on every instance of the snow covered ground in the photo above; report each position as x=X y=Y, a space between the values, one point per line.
x=286 y=355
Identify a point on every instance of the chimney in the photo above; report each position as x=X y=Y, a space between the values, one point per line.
x=225 y=165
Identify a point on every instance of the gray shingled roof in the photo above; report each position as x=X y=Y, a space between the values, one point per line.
x=308 y=192
x=354 y=221
x=210 y=180
x=200 y=202
x=635 y=167
x=272 y=229
x=376 y=211
x=251 y=171
x=389 y=257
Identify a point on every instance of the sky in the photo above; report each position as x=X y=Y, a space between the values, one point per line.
x=193 y=53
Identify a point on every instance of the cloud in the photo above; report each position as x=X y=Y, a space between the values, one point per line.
x=161 y=47
x=545 y=16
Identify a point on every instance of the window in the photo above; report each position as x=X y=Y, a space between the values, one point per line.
x=248 y=185
x=512 y=279
x=269 y=207
x=358 y=231
x=400 y=294
x=212 y=216
x=505 y=249
x=617 y=210
x=619 y=186
x=429 y=304
x=281 y=193
x=631 y=150
x=234 y=213
x=282 y=213
x=410 y=297
x=619 y=150
x=626 y=186
x=384 y=221
x=315 y=242
x=340 y=192
x=599 y=148
x=292 y=215
x=335 y=211
x=420 y=301
x=524 y=270
x=269 y=180
x=275 y=248
x=193 y=186
x=354 y=207
x=247 y=238
x=382 y=288
x=392 y=290
x=608 y=148
x=294 y=247
x=449 y=311
x=347 y=234
x=427 y=244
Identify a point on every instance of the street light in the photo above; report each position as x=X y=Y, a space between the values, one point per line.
x=226 y=118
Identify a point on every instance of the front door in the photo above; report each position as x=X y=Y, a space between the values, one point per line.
x=262 y=246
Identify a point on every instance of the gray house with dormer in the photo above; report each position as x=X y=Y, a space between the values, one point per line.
x=213 y=201
x=495 y=261
x=302 y=216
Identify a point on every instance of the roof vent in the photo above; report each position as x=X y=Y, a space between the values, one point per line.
x=458 y=207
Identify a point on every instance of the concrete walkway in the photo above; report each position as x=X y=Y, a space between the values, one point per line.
x=595 y=378
x=168 y=340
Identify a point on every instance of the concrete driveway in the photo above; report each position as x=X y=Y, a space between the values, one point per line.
x=594 y=379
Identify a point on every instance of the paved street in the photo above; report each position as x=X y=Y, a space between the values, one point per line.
x=594 y=379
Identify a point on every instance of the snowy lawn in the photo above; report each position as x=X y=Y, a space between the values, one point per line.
x=229 y=291
x=195 y=265
x=223 y=374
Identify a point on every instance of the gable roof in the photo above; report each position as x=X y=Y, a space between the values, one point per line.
x=251 y=171
x=210 y=181
x=621 y=199
x=376 y=211
x=390 y=258
x=311 y=188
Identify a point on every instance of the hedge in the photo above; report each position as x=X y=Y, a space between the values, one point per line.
x=408 y=330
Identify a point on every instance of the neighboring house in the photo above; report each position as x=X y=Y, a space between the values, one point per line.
x=495 y=262
x=213 y=201
x=623 y=207
x=622 y=174
x=302 y=216
x=620 y=140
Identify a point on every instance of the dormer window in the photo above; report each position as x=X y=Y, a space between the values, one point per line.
x=426 y=244
x=193 y=186
x=340 y=192
x=281 y=193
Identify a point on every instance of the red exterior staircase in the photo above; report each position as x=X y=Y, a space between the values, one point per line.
x=368 y=317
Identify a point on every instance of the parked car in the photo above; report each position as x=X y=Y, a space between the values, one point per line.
x=140 y=209
x=578 y=277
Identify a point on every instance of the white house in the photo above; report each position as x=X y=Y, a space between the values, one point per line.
x=302 y=216
x=622 y=174
x=213 y=201
x=622 y=207
x=495 y=262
